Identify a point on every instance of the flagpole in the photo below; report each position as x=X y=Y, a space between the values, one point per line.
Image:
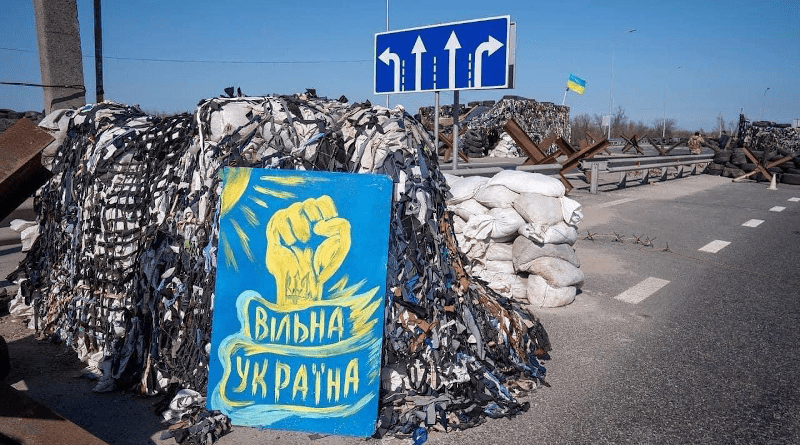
x=563 y=101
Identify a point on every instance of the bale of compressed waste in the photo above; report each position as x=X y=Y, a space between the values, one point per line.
x=123 y=268
x=484 y=122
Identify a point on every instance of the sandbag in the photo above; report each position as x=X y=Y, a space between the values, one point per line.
x=467 y=208
x=561 y=233
x=458 y=225
x=499 y=266
x=506 y=284
x=524 y=250
x=465 y=188
x=557 y=272
x=571 y=210
x=539 y=209
x=541 y=294
x=506 y=222
x=524 y=182
x=497 y=223
x=500 y=251
x=494 y=196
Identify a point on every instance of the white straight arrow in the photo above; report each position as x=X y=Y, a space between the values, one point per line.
x=451 y=46
x=489 y=46
x=418 y=49
x=387 y=57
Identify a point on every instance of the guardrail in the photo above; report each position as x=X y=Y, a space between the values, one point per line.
x=623 y=165
x=494 y=167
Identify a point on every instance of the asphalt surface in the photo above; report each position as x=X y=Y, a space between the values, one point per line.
x=710 y=357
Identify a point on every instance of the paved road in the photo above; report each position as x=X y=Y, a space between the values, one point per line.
x=704 y=351
x=712 y=356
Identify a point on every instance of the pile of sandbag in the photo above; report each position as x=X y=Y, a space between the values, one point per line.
x=505 y=147
x=123 y=268
x=517 y=229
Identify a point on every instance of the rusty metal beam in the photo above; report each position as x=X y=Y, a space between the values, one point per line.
x=21 y=170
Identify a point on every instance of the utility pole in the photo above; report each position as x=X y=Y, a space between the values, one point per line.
x=60 y=56
x=98 y=52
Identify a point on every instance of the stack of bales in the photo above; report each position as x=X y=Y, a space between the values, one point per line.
x=768 y=142
x=517 y=229
x=485 y=120
x=123 y=269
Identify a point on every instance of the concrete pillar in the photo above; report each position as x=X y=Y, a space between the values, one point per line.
x=60 y=57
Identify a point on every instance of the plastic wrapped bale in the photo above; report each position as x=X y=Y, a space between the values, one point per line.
x=139 y=303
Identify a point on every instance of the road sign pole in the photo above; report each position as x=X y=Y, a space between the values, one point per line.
x=455 y=130
x=436 y=122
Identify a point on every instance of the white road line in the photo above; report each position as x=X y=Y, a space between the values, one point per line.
x=753 y=223
x=794 y=199
x=777 y=209
x=714 y=246
x=618 y=201
x=642 y=290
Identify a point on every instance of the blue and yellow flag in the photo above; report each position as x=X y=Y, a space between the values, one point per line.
x=576 y=84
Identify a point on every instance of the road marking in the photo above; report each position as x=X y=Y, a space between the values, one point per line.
x=753 y=223
x=777 y=209
x=714 y=246
x=642 y=290
x=794 y=199
x=619 y=201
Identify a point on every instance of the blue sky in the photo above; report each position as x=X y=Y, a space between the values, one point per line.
x=728 y=53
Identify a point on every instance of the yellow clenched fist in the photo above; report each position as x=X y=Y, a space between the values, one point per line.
x=300 y=272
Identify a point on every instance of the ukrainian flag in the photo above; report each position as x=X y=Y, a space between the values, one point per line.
x=576 y=84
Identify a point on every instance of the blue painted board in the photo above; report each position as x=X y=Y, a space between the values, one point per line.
x=298 y=311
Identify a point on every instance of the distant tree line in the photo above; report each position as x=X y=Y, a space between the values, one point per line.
x=621 y=124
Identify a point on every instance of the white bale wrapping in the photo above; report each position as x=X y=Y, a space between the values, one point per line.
x=557 y=272
x=539 y=209
x=561 y=233
x=465 y=188
x=541 y=294
x=494 y=196
x=524 y=182
x=524 y=251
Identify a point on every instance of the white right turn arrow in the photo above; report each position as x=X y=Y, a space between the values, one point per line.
x=387 y=57
x=451 y=46
x=489 y=46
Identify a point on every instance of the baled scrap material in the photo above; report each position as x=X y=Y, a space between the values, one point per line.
x=124 y=266
x=484 y=123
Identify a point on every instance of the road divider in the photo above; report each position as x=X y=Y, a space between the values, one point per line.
x=753 y=223
x=641 y=291
x=714 y=246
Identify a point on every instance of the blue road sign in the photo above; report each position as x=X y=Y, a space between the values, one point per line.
x=466 y=55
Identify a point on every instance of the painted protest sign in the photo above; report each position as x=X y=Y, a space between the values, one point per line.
x=298 y=311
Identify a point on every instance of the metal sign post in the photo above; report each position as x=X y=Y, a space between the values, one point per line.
x=455 y=129
x=436 y=122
